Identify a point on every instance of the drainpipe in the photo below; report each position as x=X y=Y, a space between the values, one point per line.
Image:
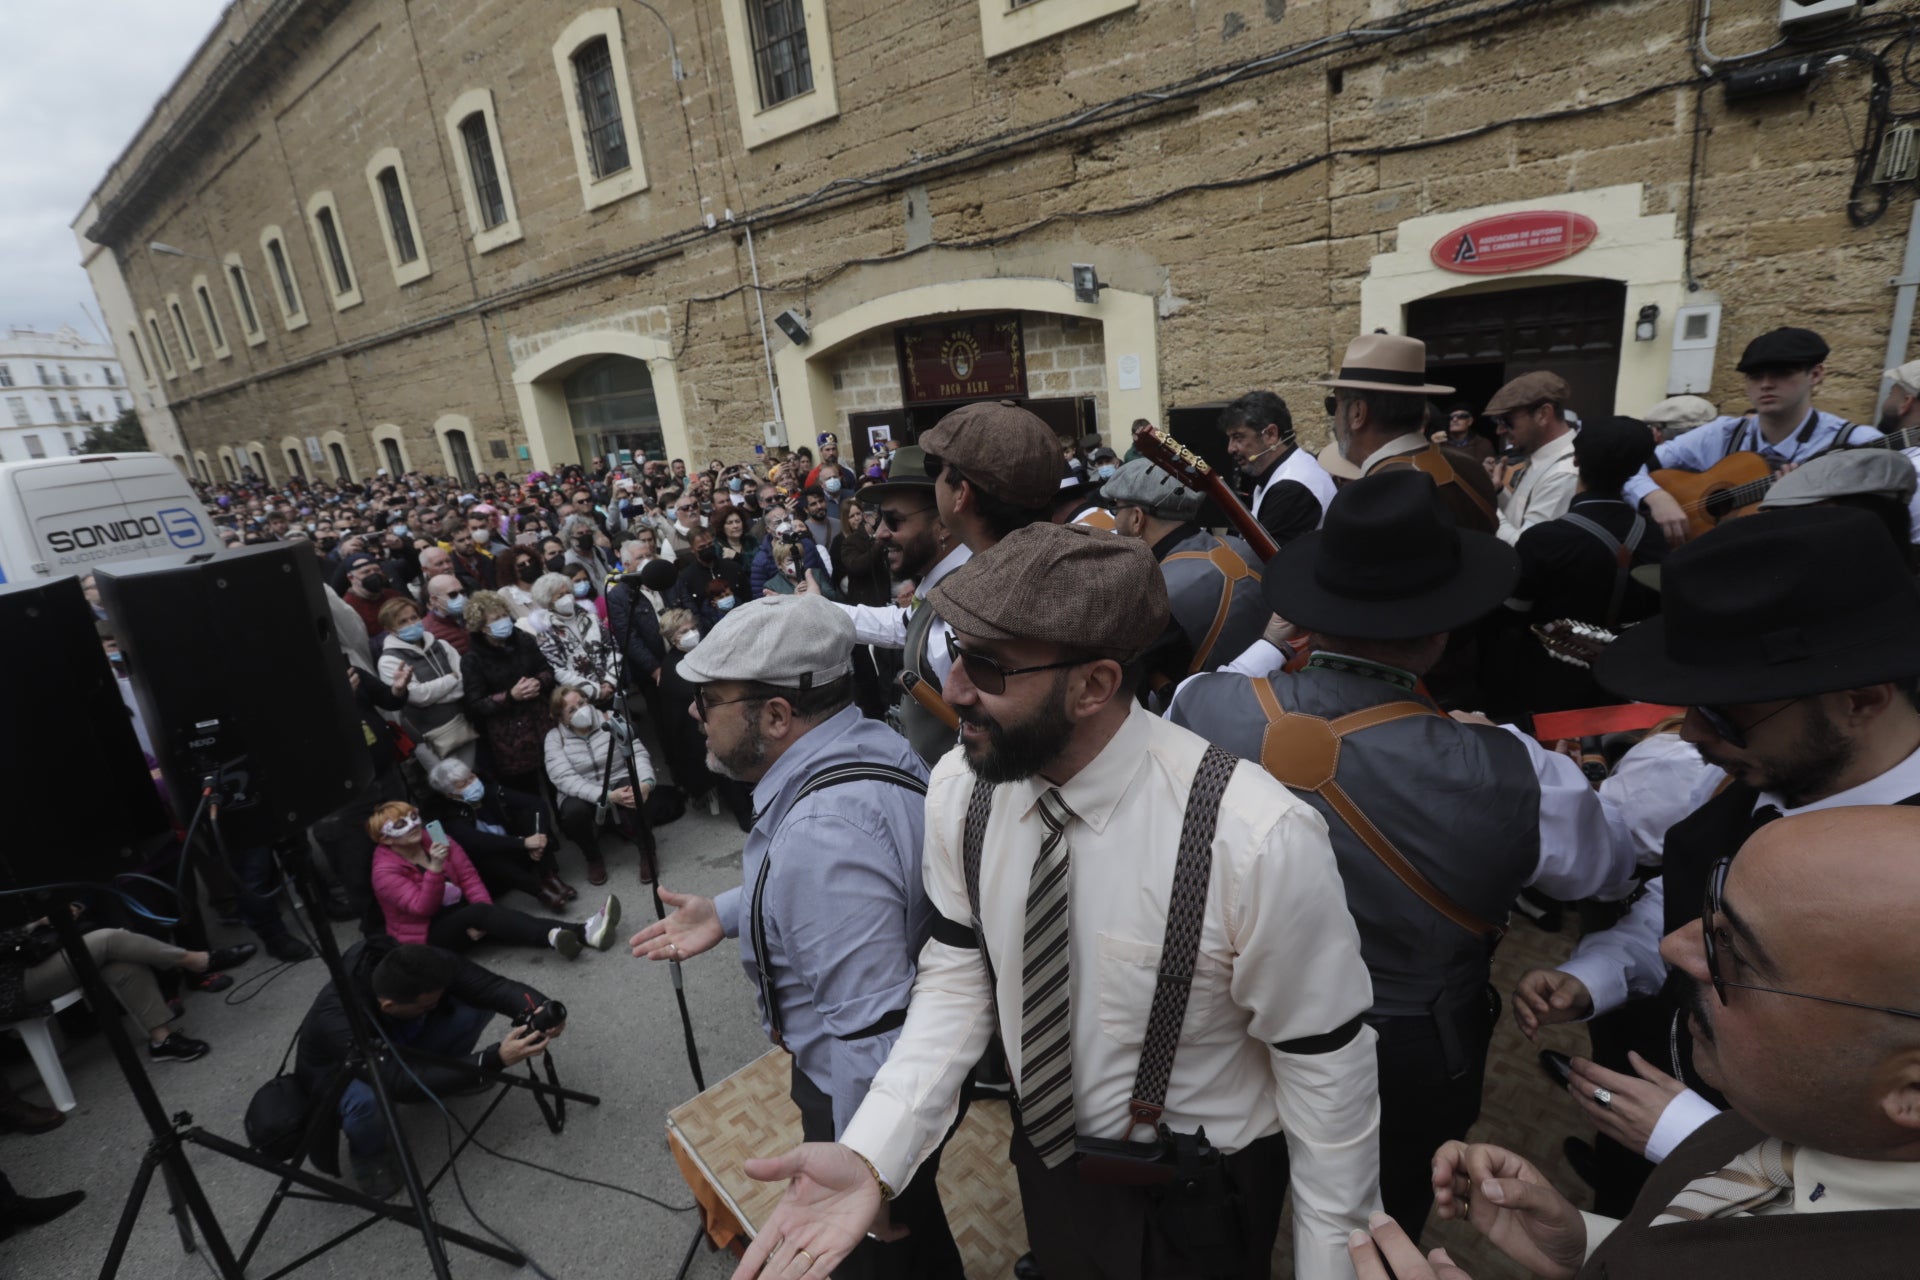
x=1906 y=286
x=766 y=349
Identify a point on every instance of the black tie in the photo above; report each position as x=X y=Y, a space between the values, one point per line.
x=1761 y=817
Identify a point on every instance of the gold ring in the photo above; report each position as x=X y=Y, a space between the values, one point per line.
x=804 y=1254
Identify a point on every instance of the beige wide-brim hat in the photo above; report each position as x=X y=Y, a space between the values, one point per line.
x=1385 y=362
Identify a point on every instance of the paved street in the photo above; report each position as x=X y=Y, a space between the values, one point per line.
x=623 y=1043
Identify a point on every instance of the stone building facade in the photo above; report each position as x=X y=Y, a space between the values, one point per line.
x=500 y=235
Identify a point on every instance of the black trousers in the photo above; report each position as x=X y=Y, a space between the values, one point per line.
x=509 y=872
x=929 y=1251
x=500 y=924
x=577 y=820
x=1430 y=1086
x=1078 y=1230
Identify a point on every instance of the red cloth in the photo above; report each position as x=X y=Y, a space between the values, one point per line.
x=410 y=896
x=369 y=610
x=446 y=629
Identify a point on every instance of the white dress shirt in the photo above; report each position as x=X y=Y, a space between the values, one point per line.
x=1279 y=959
x=1544 y=490
x=885 y=625
x=1303 y=469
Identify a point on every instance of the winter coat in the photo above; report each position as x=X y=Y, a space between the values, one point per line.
x=576 y=647
x=513 y=730
x=576 y=762
x=437 y=689
x=410 y=896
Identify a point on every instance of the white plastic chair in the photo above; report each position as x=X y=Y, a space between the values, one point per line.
x=38 y=1034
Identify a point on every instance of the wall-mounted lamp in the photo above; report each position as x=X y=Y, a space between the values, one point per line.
x=793 y=326
x=1647 y=327
x=1086 y=283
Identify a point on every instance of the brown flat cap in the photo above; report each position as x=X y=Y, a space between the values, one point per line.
x=1062 y=583
x=1528 y=390
x=1004 y=449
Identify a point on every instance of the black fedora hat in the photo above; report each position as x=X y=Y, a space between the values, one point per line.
x=1783 y=604
x=1389 y=564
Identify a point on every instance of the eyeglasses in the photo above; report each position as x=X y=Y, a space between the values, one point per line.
x=706 y=704
x=1460 y=417
x=892 y=519
x=1727 y=731
x=989 y=676
x=1710 y=915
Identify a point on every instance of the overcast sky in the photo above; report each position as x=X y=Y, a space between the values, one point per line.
x=76 y=80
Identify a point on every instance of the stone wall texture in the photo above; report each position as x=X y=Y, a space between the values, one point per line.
x=1250 y=204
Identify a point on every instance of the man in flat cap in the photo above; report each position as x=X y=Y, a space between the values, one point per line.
x=1212 y=587
x=1783 y=368
x=1580 y=567
x=1677 y=415
x=1878 y=481
x=830 y=912
x=1436 y=824
x=1053 y=838
x=1379 y=412
x=983 y=471
x=1284 y=486
x=1531 y=411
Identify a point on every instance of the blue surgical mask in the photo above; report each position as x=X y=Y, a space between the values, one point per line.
x=412 y=632
x=474 y=790
x=736 y=484
x=402 y=531
x=456 y=605
x=724 y=603
x=1107 y=470
x=831 y=485
x=580 y=590
x=500 y=628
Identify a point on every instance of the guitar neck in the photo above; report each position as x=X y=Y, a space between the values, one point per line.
x=1195 y=474
x=1244 y=522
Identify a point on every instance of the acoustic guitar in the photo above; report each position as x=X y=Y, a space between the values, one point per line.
x=1195 y=473
x=1736 y=485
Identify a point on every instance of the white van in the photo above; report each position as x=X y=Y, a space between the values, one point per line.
x=62 y=516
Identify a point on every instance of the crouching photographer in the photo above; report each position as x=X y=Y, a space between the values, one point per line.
x=422 y=998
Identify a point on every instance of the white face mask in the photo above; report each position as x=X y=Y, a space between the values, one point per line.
x=690 y=639
x=402 y=829
x=583 y=718
x=564 y=606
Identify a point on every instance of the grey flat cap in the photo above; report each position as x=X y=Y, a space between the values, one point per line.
x=1906 y=377
x=1849 y=473
x=794 y=642
x=1142 y=484
x=1681 y=413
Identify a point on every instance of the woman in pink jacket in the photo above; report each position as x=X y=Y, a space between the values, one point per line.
x=430 y=893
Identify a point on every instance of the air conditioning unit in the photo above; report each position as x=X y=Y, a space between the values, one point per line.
x=1797 y=15
x=1899 y=158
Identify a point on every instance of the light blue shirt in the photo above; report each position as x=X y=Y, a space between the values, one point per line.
x=1711 y=442
x=844 y=909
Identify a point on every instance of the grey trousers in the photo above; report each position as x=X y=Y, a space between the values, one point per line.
x=126 y=960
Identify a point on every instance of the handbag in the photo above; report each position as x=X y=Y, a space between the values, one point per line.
x=450 y=737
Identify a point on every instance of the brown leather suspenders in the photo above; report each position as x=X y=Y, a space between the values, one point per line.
x=1232 y=568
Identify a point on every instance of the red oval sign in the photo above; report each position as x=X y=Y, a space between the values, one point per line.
x=1513 y=242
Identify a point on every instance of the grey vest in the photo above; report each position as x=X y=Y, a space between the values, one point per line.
x=923 y=731
x=1460 y=801
x=1195 y=586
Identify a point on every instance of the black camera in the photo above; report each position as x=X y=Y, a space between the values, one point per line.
x=545 y=1018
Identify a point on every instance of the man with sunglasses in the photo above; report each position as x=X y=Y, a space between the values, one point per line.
x=1531 y=412
x=1053 y=835
x=1799 y=981
x=1792 y=635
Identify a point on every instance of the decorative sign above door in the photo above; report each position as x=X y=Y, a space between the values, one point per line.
x=1513 y=242
x=981 y=357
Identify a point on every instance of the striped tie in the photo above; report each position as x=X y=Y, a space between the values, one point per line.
x=1754 y=1179
x=1046 y=1022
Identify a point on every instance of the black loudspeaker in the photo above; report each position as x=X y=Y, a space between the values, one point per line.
x=242 y=684
x=79 y=802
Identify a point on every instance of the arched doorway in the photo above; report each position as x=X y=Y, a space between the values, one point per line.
x=541 y=383
x=614 y=411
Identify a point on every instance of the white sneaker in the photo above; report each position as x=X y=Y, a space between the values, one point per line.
x=602 y=923
x=713 y=803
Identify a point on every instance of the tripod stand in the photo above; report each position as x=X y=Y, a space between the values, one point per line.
x=166 y=1148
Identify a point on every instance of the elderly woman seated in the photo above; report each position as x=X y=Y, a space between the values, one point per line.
x=591 y=786
x=571 y=638
x=430 y=892
x=504 y=833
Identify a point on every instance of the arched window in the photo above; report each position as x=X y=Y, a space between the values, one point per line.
x=390 y=449
x=339 y=456
x=462 y=455
x=611 y=403
x=294 y=465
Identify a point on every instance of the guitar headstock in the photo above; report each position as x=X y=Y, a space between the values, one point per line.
x=1577 y=644
x=1178 y=461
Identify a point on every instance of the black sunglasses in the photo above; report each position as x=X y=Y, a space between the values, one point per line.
x=1727 y=731
x=1710 y=914
x=894 y=519
x=1333 y=406
x=989 y=676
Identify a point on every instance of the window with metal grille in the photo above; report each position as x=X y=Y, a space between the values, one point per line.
x=186 y=338
x=395 y=466
x=340 y=467
x=336 y=256
x=41 y=370
x=213 y=321
x=66 y=378
x=403 y=246
x=600 y=108
x=17 y=406
x=159 y=344
x=6 y=376
x=288 y=294
x=241 y=292
x=295 y=465
x=59 y=410
x=119 y=404
x=34 y=448
x=780 y=56
x=486 y=174
x=462 y=456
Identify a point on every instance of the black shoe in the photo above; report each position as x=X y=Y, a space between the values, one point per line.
x=177 y=1048
x=1025 y=1268
x=289 y=948
x=231 y=957
x=36 y=1211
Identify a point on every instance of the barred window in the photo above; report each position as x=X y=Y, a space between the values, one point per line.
x=780 y=55
x=600 y=108
x=486 y=174
x=6 y=376
x=213 y=321
x=241 y=292
x=186 y=336
x=288 y=294
x=403 y=246
x=336 y=256
x=160 y=345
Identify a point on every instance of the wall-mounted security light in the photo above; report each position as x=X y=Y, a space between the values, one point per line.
x=793 y=326
x=1647 y=327
x=1086 y=283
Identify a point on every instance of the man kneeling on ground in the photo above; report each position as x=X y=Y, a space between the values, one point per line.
x=423 y=998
